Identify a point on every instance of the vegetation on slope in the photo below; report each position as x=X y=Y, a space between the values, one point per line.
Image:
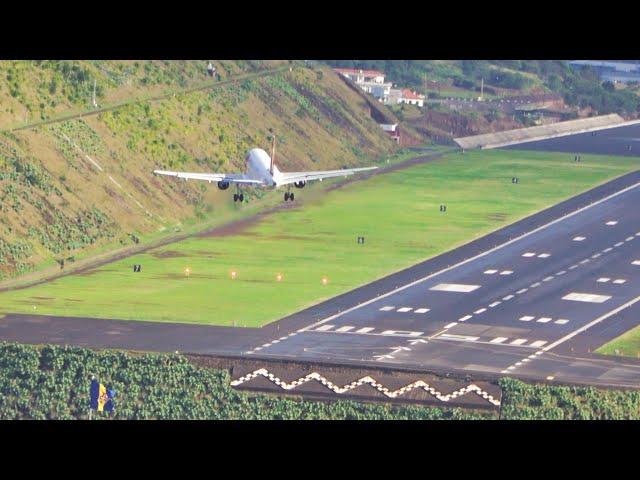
x=579 y=87
x=82 y=185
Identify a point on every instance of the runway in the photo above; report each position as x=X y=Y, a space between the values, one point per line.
x=532 y=300
x=612 y=141
x=513 y=309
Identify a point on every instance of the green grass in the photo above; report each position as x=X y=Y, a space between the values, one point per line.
x=397 y=213
x=627 y=344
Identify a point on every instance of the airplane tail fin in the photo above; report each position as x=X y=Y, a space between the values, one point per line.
x=273 y=154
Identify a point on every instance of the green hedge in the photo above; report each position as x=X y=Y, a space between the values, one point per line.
x=53 y=383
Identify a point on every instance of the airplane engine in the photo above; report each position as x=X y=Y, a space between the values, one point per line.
x=222 y=185
x=300 y=184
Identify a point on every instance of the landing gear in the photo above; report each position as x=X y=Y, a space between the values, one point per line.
x=238 y=197
x=289 y=196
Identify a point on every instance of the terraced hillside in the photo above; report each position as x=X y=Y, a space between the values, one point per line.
x=84 y=185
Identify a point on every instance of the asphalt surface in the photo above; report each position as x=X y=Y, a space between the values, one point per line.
x=532 y=300
x=507 y=311
x=623 y=141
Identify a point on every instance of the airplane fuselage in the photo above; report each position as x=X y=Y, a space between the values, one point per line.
x=259 y=168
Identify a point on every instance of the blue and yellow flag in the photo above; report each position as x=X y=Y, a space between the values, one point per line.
x=101 y=398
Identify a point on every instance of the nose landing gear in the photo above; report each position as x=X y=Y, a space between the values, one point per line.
x=238 y=197
x=289 y=196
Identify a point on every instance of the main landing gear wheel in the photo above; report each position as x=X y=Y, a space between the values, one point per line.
x=289 y=196
x=238 y=197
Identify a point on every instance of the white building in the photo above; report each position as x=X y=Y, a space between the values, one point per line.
x=370 y=81
x=406 y=96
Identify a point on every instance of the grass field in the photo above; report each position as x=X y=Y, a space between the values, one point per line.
x=627 y=344
x=398 y=213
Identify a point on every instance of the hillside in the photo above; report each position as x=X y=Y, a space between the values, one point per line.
x=85 y=184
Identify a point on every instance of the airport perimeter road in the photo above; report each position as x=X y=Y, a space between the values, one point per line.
x=509 y=310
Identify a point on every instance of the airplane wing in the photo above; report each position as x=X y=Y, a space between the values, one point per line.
x=292 y=177
x=210 y=177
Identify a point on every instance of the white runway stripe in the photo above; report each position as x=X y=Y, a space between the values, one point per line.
x=518 y=341
x=421 y=310
x=324 y=328
x=538 y=343
x=586 y=297
x=365 y=330
x=405 y=309
x=498 y=340
x=454 y=287
x=387 y=309
x=578 y=239
x=344 y=329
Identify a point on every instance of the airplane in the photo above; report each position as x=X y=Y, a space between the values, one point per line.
x=262 y=172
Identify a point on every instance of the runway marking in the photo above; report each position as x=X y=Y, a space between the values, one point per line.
x=498 y=340
x=635 y=262
x=561 y=321
x=527 y=318
x=561 y=272
x=402 y=333
x=544 y=255
x=603 y=280
x=596 y=255
x=543 y=320
x=365 y=330
x=344 y=329
x=619 y=281
x=619 y=244
x=506 y=272
x=582 y=262
x=324 y=328
x=628 y=239
x=387 y=309
x=479 y=255
x=586 y=297
x=421 y=310
x=548 y=279
x=529 y=254
x=518 y=341
x=462 y=338
x=479 y=311
x=534 y=285
x=573 y=267
x=495 y=304
x=465 y=318
x=607 y=250
x=454 y=287
x=612 y=223
x=578 y=239
x=405 y=309
x=508 y=297
x=490 y=272
x=450 y=325
x=522 y=290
